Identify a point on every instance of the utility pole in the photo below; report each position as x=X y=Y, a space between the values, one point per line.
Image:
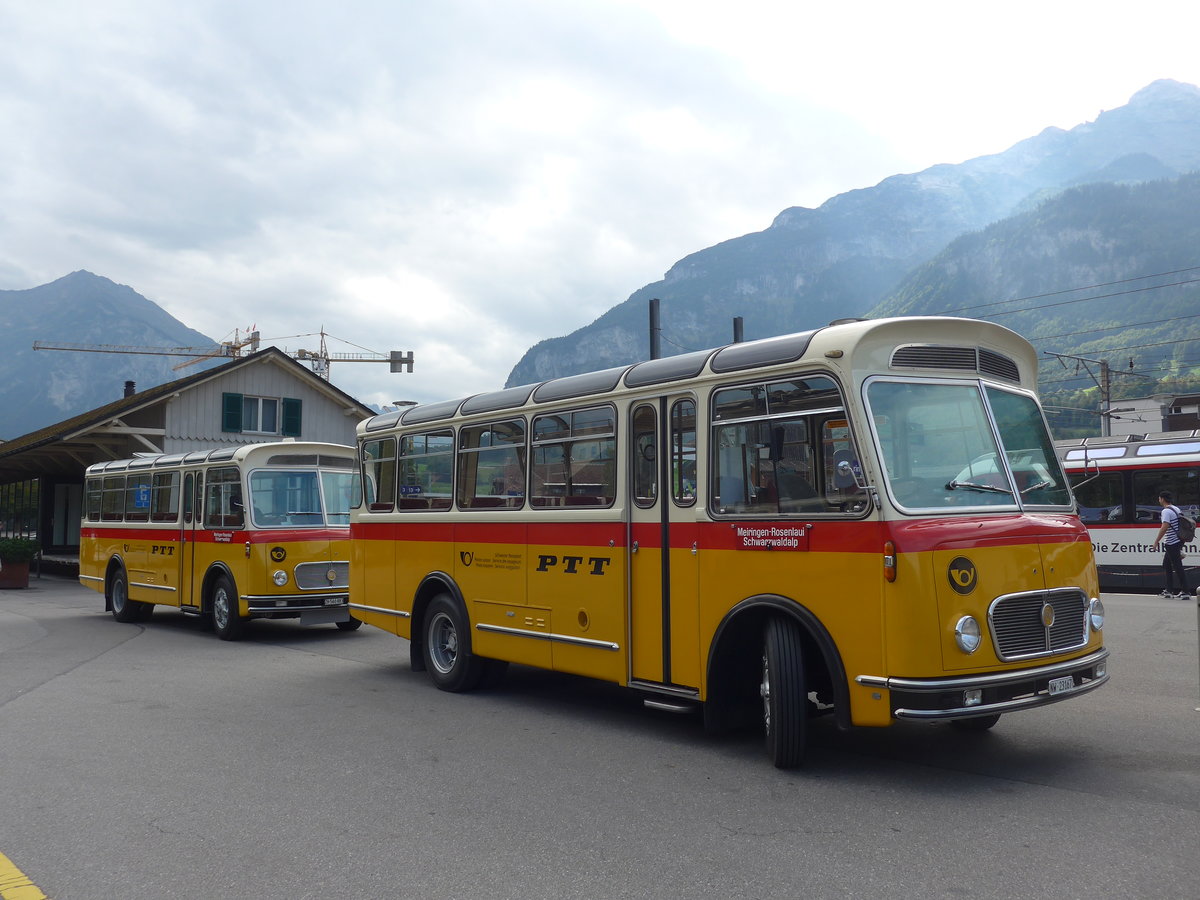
x=655 y=329
x=1103 y=379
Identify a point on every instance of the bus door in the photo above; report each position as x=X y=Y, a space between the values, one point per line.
x=190 y=598
x=663 y=609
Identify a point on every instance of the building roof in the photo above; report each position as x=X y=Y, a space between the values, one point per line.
x=49 y=450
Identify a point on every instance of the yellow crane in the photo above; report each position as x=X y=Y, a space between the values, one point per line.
x=319 y=360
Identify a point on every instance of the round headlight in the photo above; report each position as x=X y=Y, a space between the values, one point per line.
x=1096 y=614
x=280 y=577
x=967 y=634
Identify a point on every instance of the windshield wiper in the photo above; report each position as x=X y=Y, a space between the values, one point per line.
x=1037 y=487
x=953 y=485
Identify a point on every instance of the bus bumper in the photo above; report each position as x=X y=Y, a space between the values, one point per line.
x=310 y=609
x=999 y=692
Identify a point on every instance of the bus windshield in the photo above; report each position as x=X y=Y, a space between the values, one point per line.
x=940 y=450
x=293 y=497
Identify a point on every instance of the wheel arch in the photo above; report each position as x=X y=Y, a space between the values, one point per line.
x=214 y=571
x=734 y=658
x=431 y=585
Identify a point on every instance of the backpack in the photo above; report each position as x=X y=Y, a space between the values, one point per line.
x=1187 y=527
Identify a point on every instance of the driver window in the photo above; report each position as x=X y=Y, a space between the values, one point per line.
x=784 y=448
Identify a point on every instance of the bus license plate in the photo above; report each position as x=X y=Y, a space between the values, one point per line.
x=1062 y=685
x=334 y=601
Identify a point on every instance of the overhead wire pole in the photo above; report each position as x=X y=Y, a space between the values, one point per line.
x=1103 y=381
x=655 y=329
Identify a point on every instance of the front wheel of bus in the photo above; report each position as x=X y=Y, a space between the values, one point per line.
x=448 y=656
x=123 y=609
x=784 y=699
x=351 y=624
x=226 y=622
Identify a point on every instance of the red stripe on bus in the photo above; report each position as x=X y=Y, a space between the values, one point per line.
x=274 y=536
x=821 y=536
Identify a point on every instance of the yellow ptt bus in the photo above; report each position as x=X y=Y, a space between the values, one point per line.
x=235 y=533
x=866 y=520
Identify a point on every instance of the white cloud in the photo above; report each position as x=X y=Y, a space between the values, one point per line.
x=466 y=178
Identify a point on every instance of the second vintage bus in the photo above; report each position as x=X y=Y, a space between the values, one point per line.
x=233 y=534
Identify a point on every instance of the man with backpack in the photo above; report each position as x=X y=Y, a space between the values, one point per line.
x=1172 y=543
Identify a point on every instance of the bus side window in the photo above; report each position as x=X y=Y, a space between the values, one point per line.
x=645 y=456
x=164 y=497
x=776 y=450
x=137 y=497
x=94 y=494
x=491 y=466
x=573 y=457
x=1101 y=499
x=223 y=502
x=683 y=452
x=112 y=508
x=426 y=465
x=1184 y=485
x=379 y=474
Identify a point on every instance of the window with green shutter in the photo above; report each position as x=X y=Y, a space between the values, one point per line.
x=231 y=412
x=247 y=414
x=290 y=426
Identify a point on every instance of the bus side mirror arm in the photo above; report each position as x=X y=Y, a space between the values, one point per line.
x=1087 y=477
x=845 y=470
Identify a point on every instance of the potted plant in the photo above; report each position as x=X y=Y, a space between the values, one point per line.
x=15 y=556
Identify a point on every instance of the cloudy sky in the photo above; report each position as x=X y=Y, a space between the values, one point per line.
x=463 y=178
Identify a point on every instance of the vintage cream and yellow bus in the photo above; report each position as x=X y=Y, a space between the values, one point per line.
x=234 y=533
x=866 y=520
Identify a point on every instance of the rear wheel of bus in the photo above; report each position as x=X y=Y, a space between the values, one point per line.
x=124 y=609
x=226 y=622
x=447 y=647
x=784 y=698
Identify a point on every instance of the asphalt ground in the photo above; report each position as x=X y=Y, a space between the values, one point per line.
x=155 y=761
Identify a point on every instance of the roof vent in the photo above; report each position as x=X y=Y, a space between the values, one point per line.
x=130 y=388
x=963 y=359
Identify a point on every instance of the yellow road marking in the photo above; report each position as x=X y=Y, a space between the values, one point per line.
x=14 y=885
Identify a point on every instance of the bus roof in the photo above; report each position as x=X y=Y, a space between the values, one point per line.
x=955 y=345
x=239 y=453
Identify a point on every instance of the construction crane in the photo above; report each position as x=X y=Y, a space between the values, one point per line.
x=319 y=360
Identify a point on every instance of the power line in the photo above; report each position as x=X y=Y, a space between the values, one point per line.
x=1086 y=287
x=1162 y=366
x=1013 y=312
x=1051 y=337
x=673 y=344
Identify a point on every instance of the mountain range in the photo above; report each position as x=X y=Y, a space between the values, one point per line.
x=939 y=240
x=38 y=388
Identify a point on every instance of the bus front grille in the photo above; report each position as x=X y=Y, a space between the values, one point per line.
x=315 y=576
x=1019 y=623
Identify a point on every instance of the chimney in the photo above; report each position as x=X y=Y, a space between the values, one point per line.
x=130 y=388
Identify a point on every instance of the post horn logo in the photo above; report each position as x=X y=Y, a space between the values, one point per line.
x=962 y=575
x=466 y=556
x=278 y=554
